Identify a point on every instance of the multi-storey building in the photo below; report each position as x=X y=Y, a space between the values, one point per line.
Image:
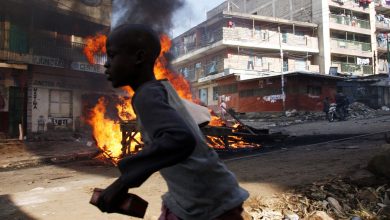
x=346 y=30
x=245 y=46
x=45 y=78
x=382 y=24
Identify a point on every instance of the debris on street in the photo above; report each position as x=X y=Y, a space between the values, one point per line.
x=360 y=110
x=334 y=199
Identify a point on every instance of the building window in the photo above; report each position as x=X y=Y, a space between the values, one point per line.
x=314 y=90
x=203 y=96
x=185 y=72
x=264 y=35
x=226 y=89
x=259 y=61
x=213 y=67
x=250 y=65
x=60 y=103
x=215 y=93
x=285 y=64
x=284 y=37
x=259 y=92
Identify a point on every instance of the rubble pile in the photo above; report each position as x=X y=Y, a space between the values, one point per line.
x=335 y=199
x=360 y=110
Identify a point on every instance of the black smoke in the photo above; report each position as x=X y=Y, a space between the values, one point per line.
x=155 y=13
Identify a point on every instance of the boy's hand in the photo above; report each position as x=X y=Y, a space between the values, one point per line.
x=109 y=200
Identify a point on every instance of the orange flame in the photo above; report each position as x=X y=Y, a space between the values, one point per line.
x=234 y=142
x=162 y=71
x=94 y=45
x=107 y=133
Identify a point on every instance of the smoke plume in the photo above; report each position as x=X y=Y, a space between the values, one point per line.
x=155 y=13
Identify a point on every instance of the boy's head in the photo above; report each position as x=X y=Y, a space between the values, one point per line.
x=132 y=50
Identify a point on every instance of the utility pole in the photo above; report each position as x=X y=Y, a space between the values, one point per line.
x=282 y=69
x=388 y=56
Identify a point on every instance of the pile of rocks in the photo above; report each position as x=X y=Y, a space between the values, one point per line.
x=360 y=110
x=335 y=199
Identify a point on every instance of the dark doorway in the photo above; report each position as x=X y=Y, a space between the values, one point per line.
x=17 y=110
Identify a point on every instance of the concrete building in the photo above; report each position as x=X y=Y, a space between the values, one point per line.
x=244 y=46
x=382 y=24
x=45 y=78
x=349 y=31
x=303 y=92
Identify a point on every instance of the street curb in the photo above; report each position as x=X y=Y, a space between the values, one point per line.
x=59 y=159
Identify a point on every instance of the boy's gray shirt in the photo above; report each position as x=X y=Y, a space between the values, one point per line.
x=200 y=186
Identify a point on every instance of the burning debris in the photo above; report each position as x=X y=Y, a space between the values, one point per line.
x=118 y=138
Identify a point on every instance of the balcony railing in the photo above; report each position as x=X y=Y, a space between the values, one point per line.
x=242 y=64
x=353 y=68
x=351 y=45
x=382 y=25
x=382 y=45
x=380 y=3
x=195 y=43
x=383 y=66
x=353 y=22
x=259 y=38
x=32 y=47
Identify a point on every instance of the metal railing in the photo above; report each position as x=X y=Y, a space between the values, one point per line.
x=251 y=65
x=21 y=47
x=352 y=45
x=353 y=22
x=379 y=2
x=354 y=68
x=241 y=34
x=382 y=25
x=382 y=44
x=194 y=43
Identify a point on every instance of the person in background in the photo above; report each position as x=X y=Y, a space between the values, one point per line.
x=223 y=108
x=326 y=107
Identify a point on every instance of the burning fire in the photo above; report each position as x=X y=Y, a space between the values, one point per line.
x=94 y=45
x=161 y=71
x=107 y=132
x=232 y=142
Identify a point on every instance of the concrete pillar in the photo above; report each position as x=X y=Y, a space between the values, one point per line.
x=320 y=10
x=374 y=44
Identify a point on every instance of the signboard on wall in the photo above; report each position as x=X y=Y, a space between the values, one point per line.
x=48 y=61
x=87 y=67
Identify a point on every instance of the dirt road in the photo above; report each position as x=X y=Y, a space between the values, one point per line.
x=63 y=191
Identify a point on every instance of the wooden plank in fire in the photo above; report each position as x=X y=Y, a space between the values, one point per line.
x=226 y=131
x=129 y=130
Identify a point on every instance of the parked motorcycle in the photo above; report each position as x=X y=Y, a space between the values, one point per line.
x=336 y=113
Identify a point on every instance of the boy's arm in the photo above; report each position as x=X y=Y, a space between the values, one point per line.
x=173 y=141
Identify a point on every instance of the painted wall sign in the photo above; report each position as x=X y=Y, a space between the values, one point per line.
x=57 y=84
x=87 y=67
x=211 y=77
x=48 y=61
x=273 y=98
x=61 y=121
x=35 y=103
